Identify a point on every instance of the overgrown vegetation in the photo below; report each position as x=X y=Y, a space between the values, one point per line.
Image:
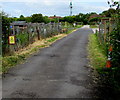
x=93 y=26
x=114 y=71
x=10 y=61
x=96 y=53
x=108 y=77
x=22 y=38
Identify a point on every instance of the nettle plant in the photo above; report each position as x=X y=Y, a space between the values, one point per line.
x=115 y=35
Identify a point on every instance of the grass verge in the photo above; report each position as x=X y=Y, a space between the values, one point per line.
x=78 y=26
x=96 y=53
x=93 y=26
x=108 y=78
x=74 y=28
x=20 y=56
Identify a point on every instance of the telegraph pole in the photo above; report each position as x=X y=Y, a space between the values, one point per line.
x=71 y=8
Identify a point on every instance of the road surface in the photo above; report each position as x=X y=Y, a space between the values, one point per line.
x=58 y=71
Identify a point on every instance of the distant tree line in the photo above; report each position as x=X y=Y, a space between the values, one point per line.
x=39 y=18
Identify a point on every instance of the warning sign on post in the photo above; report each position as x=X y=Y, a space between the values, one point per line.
x=12 y=40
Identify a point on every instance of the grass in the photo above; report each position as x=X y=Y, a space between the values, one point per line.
x=96 y=53
x=108 y=77
x=20 y=56
x=8 y=62
x=93 y=26
x=52 y=39
x=78 y=26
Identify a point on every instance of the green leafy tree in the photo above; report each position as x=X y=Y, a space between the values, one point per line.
x=109 y=12
x=37 y=18
x=69 y=19
x=22 y=18
x=46 y=19
x=28 y=19
x=96 y=19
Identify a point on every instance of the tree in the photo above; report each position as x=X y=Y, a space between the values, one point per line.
x=37 y=18
x=69 y=19
x=28 y=19
x=22 y=18
x=109 y=12
x=96 y=19
x=46 y=19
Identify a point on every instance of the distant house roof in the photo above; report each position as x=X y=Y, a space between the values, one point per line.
x=18 y=23
x=105 y=19
x=53 y=17
x=95 y=15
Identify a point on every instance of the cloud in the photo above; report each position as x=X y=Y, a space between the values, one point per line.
x=49 y=1
x=19 y=0
x=52 y=7
x=17 y=11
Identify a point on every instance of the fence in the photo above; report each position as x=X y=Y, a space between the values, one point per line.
x=105 y=28
x=28 y=33
x=108 y=36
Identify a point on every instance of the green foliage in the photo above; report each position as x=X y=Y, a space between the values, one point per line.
x=53 y=39
x=8 y=62
x=5 y=24
x=54 y=20
x=115 y=42
x=69 y=19
x=80 y=18
x=5 y=31
x=109 y=12
x=22 y=18
x=37 y=18
x=22 y=38
x=111 y=76
x=96 y=53
x=46 y=19
x=28 y=19
x=93 y=26
x=96 y=19
x=78 y=26
x=115 y=37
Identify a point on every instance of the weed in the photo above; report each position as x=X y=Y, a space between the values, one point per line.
x=93 y=26
x=96 y=53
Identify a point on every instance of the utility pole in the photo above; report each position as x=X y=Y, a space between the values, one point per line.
x=71 y=8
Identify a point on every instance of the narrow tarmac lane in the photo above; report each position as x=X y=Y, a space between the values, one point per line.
x=59 y=71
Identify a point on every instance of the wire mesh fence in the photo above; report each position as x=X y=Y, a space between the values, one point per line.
x=105 y=28
x=28 y=33
x=109 y=38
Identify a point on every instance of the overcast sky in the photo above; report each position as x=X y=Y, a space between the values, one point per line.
x=16 y=8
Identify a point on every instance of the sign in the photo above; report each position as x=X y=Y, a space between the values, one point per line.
x=11 y=40
x=11 y=26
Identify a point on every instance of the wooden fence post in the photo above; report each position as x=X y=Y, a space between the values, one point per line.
x=105 y=31
x=110 y=27
x=38 y=33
